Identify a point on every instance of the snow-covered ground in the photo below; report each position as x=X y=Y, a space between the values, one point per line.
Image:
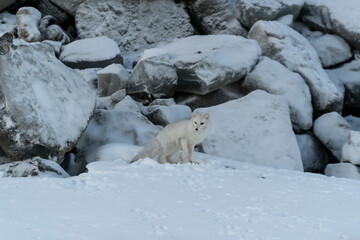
x=216 y=199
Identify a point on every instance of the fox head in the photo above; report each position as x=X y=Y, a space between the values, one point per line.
x=200 y=121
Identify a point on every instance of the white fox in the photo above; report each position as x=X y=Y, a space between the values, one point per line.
x=183 y=134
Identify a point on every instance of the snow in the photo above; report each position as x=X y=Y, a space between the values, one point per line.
x=351 y=149
x=28 y=22
x=343 y=170
x=90 y=49
x=354 y=122
x=8 y=22
x=217 y=199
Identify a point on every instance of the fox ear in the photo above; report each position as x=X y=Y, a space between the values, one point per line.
x=194 y=114
x=207 y=115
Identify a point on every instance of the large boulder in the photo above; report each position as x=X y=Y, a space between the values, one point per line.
x=215 y=17
x=44 y=105
x=69 y=6
x=207 y=63
x=343 y=170
x=336 y=16
x=256 y=129
x=313 y=154
x=272 y=77
x=97 y=52
x=135 y=25
x=333 y=131
x=347 y=79
x=28 y=20
x=251 y=11
x=290 y=48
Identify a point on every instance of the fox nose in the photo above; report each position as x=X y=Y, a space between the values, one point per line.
x=196 y=129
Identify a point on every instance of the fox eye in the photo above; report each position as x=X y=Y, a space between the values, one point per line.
x=201 y=123
x=195 y=122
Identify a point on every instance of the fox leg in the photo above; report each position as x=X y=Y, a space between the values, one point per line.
x=170 y=154
x=161 y=158
x=183 y=144
x=191 y=151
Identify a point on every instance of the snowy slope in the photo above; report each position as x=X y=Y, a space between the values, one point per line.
x=217 y=199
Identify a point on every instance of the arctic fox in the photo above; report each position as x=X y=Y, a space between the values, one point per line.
x=182 y=135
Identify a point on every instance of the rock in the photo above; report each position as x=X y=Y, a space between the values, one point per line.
x=90 y=75
x=165 y=111
x=272 y=77
x=215 y=17
x=5 y=3
x=135 y=25
x=347 y=79
x=97 y=52
x=354 y=122
x=331 y=49
x=69 y=6
x=6 y=40
x=28 y=19
x=282 y=43
x=4 y=158
x=339 y=17
x=112 y=79
x=343 y=170
x=47 y=8
x=333 y=131
x=314 y=156
x=8 y=23
x=351 y=149
x=56 y=33
x=287 y=20
x=154 y=74
x=251 y=11
x=44 y=23
x=122 y=124
x=33 y=167
x=56 y=46
x=255 y=129
x=45 y=107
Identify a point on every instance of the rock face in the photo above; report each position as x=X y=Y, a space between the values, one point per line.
x=251 y=11
x=340 y=17
x=44 y=107
x=272 y=77
x=256 y=129
x=69 y=6
x=112 y=79
x=313 y=154
x=333 y=131
x=97 y=52
x=215 y=17
x=282 y=43
x=5 y=3
x=135 y=25
x=343 y=170
x=28 y=19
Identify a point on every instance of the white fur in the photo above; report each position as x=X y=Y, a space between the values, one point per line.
x=182 y=135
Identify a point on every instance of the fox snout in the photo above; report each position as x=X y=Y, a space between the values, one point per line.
x=196 y=129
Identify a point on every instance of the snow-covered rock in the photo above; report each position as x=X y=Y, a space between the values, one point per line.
x=251 y=11
x=351 y=149
x=256 y=129
x=154 y=74
x=331 y=49
x=5 y=3
x=354 y=122
x=165 y=111
x=56 y=46
x=8 y=22
x=333 y=131
x=45 y=105
x=215 y=17
x=56 y=33
x=272 y=77
x=112 y=79
x=343 y=170
x=336 y=16
x=290 y=48
x=28 y=20
x=6 y=40
x=97 y=52
x=314 y=156
x=32 y=167
x=69 y=6
x=45 y=22
x=122 y=124
x=134 y=25
x=347 y=79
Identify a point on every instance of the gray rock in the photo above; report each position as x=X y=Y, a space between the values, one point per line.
x=154 y=75
x=5 y=3
x=56 y=46
x=282 y=43
x=255 y=128
x=56 y=33
x=98 y=52
x=339 y=17
x=28 y=19
x=215 y=17
x=343 y=170
x=6 y=40
x=251 y=11
x=354 y=122
x=47 y=8
x=135 y=25
x=333 y=131
x=33 y=167
x=112 y=79
x=313 y=154
x=351 y=149
x=69 y=6
x=273 y=77
x=45 y=107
